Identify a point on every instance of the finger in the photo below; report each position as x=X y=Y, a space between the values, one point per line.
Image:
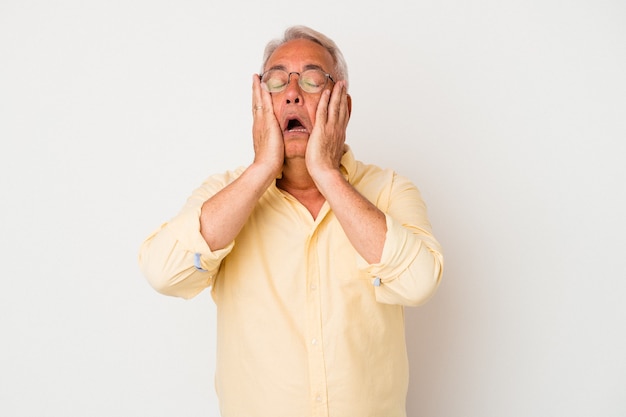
x=266 y=100
x=336 y=102
x=262 y=99
x=321 y=116
x=342 y=111
x=257 y=95
x=344 y=108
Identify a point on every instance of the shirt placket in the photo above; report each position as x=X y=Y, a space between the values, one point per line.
x=317 y=366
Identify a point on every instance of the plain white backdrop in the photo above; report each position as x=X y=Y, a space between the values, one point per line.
x=510 y=116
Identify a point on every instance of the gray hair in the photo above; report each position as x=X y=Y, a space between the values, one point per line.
x=303 y=32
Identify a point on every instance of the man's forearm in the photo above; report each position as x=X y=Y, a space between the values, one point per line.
x=364 y=224
x=224 y=214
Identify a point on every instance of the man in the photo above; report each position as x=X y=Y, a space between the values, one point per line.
x=310 y=254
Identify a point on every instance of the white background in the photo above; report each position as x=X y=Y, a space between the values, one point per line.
x=509 y=115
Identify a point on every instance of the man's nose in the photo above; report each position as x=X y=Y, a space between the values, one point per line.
x=293 y=94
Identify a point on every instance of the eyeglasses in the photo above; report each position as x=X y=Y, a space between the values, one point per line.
x=310 y=81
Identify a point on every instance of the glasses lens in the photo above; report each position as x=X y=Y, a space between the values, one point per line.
x=275 y=80
x=312 y=81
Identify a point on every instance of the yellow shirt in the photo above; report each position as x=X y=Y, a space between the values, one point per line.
x=305 y=327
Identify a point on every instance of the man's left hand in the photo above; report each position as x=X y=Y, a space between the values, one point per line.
x=326 y=142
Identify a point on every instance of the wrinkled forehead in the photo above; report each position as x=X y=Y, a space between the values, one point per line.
x=299 y=55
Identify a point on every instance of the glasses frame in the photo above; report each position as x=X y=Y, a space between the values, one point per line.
x=327 y=75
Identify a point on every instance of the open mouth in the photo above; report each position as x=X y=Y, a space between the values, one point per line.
x=294 y=125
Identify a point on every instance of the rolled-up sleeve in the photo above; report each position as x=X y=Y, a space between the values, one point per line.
x=175 y=259
x=411 y=264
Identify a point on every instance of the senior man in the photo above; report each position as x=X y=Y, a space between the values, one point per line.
x=310 y=254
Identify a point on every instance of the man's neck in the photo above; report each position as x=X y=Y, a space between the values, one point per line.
x=297 y=182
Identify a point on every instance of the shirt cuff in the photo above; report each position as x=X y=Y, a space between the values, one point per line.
x=208 y=261
x=400 y=249
x=186 y=229
x=197 y=263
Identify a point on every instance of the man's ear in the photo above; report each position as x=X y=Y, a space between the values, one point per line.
x=349 y=105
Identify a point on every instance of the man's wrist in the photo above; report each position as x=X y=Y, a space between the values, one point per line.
x=263 y=171
x=328 y=179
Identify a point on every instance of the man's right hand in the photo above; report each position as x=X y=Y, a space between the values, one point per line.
x=269 y=148
x=224 y=214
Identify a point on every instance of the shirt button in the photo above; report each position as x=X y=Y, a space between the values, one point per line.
x=318 y=398
x=313 y=287
x=314 y=341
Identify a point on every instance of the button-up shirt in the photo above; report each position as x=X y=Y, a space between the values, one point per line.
x=305 y=326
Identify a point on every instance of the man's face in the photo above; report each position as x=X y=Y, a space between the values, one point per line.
x=294 y=108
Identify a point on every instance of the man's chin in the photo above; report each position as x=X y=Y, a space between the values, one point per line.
x=295 y=135
x=295 y=148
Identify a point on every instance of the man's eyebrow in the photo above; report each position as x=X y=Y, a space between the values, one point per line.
x=277 y=67
x=306 y=67
x=313 y=66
